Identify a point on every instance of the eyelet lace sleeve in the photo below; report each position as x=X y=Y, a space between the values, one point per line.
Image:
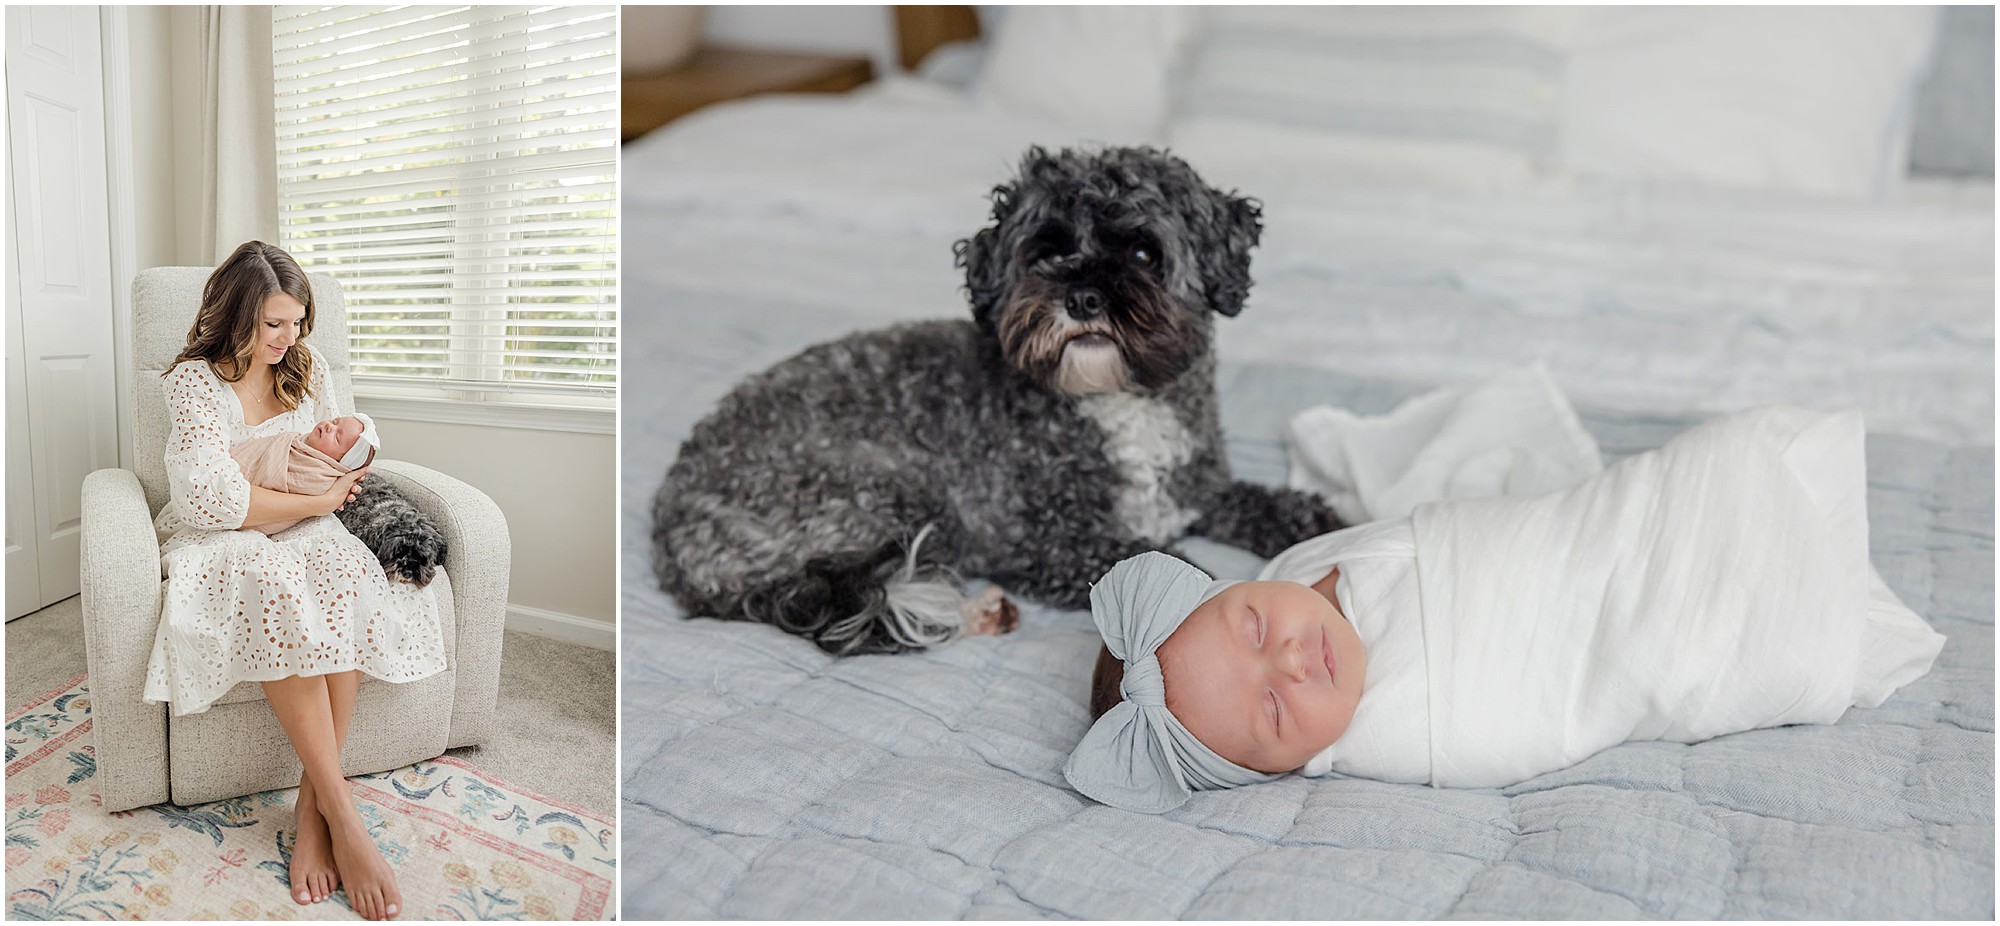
x=208 y=488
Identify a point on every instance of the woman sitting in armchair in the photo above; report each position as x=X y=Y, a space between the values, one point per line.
x=303 y=611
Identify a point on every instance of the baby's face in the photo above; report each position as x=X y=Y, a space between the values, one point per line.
x=335 y=436
x=1267 y=674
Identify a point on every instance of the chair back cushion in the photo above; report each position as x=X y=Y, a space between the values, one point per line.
x=164 y=302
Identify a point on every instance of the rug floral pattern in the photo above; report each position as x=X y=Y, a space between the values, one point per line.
x=464 y=846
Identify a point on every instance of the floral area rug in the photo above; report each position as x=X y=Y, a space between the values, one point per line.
x=464 y=846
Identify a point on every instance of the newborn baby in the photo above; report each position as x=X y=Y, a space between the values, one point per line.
x=1267 y=673
x=1715 y=585
x=309 y=463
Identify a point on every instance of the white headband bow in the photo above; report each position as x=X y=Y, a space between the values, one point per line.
x=364 y=446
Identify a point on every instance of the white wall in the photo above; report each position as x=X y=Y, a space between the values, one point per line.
x=556 y=488
x=847 y=30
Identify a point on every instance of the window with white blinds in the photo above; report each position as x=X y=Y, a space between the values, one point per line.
x=455 y=169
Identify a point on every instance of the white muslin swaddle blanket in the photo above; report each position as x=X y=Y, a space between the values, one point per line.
x=1718 y=584
x=1513 y=433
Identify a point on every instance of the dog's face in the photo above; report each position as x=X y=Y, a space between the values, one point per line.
x=412 y=558
x=1101 y=271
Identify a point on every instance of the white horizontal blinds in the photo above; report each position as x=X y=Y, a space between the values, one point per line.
x=454 y=168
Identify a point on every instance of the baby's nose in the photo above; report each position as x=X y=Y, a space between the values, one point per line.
x=1295 y=655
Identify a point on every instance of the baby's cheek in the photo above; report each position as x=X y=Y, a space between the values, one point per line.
x=1335 y=721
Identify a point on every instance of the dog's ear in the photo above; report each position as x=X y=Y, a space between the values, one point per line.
x=1231 y=228
x=985 y=256
x=982 y=258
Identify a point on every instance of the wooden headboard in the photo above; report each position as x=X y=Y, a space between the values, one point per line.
x=922 y=28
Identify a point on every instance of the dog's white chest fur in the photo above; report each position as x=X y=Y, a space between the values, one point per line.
x=1146 y=442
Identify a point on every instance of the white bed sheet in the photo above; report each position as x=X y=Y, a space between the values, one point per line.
x=1675 y=298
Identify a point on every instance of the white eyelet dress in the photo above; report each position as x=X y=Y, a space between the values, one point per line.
x=240 y=606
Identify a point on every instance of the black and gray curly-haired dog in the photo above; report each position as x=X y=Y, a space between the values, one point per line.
x=1069 y=424
x=406 y=540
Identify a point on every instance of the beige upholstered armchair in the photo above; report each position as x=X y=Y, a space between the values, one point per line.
x=144 y=755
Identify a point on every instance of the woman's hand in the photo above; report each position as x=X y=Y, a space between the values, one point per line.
x=269 y=506
x=344 y=490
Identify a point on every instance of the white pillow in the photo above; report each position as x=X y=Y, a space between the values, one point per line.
x=1465 y=96
x=1809 y=99
x=1101 y=69
x=954 y=64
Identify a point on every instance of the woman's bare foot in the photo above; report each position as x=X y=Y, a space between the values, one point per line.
x=314 y=877
x=370 y=882
x=991 y=613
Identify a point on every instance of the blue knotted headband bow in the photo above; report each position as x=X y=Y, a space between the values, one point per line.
x=1138 y=756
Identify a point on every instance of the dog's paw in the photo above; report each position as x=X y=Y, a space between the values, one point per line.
x=990 y=614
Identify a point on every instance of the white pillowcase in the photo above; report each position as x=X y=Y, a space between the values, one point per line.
x=1809 y=99
x=1464 y=96
x=1101 y=69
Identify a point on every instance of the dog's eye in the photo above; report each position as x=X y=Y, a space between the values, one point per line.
x=1143 y=255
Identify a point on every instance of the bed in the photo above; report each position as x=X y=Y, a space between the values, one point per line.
x=764 y=779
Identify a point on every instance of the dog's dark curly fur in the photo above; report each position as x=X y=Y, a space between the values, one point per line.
x=406 y=540
x=1071 y=423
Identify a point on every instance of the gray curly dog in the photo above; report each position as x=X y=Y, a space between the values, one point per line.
x=405 y=539
x=1069 y=424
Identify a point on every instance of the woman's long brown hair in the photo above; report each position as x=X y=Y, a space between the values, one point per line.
x=232 y=306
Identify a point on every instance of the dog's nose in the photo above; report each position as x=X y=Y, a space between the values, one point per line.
x=1085 y=304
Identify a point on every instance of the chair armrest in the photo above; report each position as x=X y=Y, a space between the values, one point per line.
x=121 y=613
x=478 y=555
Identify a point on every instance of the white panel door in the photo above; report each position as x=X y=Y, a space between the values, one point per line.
x=24 y=581
x=59 y=282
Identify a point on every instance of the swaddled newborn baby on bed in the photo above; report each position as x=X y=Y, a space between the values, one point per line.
x=1718 y=584
x=309 y=463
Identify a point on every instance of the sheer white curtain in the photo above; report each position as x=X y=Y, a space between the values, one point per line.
x=455 y=169
x=239 y=151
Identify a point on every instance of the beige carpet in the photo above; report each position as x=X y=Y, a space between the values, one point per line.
x=464 y=844
x=558 y=704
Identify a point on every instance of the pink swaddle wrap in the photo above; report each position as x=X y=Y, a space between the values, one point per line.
x=283 y=462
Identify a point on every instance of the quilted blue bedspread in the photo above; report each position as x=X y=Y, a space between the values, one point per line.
x=765 y=779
